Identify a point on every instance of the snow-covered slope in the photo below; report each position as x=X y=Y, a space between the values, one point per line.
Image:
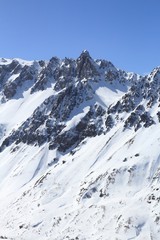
x=79 y=151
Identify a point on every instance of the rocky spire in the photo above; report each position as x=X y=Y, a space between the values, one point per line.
x=86 y=66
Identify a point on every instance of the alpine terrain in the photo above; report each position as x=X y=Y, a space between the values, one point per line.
x=79 y=151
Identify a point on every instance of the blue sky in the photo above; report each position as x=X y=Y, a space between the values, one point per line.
x=126 y=32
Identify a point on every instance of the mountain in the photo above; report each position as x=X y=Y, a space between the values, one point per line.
x=79 y=151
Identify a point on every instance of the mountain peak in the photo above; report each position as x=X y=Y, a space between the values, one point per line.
x=85 y=51
x=85 y=54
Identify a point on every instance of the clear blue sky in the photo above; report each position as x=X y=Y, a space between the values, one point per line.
x=126 y=32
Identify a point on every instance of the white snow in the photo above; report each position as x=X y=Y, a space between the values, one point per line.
x=75 y=120
x=15 y=112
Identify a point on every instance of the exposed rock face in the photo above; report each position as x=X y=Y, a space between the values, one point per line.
x=74 y=84
x=14 y=76
x=86 y=68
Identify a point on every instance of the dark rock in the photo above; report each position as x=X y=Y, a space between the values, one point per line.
x=10 y=90
x=132 y=120
x=146 y=119
x=158 y=115
x=109 y=122
x=86 y=67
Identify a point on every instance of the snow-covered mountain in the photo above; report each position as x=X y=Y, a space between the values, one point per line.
x=79 y=151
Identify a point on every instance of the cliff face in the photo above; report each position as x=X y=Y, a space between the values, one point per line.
x=79 y=150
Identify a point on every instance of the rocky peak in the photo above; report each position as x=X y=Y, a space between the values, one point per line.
x=84 y=54
x=86 y=67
